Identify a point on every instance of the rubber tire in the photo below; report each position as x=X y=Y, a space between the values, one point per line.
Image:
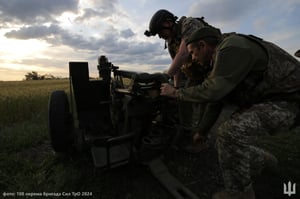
x=60 y=122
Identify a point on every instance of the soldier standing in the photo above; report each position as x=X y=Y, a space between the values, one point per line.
x=174 y=32
x=165 y=24
x=263 y=81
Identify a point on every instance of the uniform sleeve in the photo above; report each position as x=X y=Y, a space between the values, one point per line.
x=231 y=66
x=189 y=25
x=210 y=116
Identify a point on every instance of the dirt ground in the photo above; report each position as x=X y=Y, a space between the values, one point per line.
x=198 y=172
x=201 y=174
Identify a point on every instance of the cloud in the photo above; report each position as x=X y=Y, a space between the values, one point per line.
x=113 y=43
x=95 y=27
x=99 y=8
x=54 y=35
x=226 y=14
x=105 y=4
x=34 y=32
x=127 y=33
x=34 y=11
x=273 y=20
x=88 y=13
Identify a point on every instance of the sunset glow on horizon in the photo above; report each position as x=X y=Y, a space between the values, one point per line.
x=44 y=36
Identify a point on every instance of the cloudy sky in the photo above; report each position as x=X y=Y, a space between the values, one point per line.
x=44 y=35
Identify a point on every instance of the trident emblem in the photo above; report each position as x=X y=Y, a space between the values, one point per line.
x=288 y=189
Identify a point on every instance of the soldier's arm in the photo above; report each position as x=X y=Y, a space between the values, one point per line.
x=180 y=58
x=210 y=116
x=189 y=25
x=231 y=66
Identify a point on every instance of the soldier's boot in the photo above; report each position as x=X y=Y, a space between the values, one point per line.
x=247 y=194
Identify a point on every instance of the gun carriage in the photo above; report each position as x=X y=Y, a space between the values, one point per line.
x=119 y=118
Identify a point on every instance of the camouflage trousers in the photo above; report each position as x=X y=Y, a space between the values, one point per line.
x=238 y=155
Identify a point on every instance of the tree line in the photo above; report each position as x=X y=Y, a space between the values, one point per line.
x=35 y=76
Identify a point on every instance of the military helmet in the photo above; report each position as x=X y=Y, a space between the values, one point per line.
x=155 y=24
x=202 y=33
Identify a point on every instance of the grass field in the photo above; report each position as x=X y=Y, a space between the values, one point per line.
x=23 y=130
x=28 y=164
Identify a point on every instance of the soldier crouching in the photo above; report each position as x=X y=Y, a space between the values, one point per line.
x=263 y=81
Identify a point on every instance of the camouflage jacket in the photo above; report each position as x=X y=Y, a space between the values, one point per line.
x=244 y=75
x=282 y=74
x=279 y=80
x=183 y=28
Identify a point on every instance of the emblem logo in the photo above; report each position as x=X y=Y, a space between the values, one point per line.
x=289 y=188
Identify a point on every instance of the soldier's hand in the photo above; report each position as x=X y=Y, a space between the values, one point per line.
x=199 y=139
x=199 y=144
x=167 y=90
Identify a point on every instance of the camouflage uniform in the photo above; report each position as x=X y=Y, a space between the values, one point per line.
x=264 y=81
x=195 y=73
x=238 y=156
x=183 y=29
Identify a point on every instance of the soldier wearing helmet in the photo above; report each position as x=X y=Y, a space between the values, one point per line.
x=174 y=32
x=156 y=23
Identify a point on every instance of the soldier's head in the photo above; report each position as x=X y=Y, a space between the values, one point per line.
x=202 y=43
x=161 y=23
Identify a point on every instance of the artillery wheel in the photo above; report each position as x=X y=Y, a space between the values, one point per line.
x=60 y=122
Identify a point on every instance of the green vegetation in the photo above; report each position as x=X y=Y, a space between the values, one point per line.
x=23 y=131
x=26 y=100
x=35 y=76
x=28 y=163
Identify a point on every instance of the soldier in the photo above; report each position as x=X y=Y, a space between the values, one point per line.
x=174 y=32
x=263 y=81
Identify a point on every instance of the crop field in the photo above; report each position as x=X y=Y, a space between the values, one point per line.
x=29 y=166
x=23 y=131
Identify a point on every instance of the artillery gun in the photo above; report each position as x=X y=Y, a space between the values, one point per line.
x=119 y=118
